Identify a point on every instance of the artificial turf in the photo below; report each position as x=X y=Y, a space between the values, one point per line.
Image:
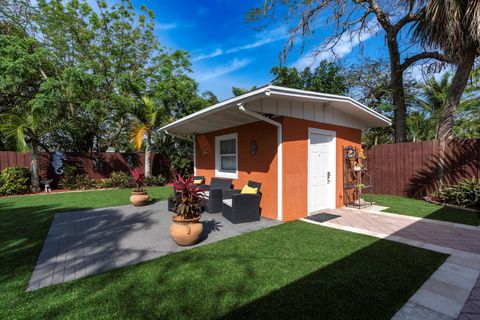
x=423 y=209
x=294 y=270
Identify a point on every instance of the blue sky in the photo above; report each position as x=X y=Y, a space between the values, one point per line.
x=227 y=51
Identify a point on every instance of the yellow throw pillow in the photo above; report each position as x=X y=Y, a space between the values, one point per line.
x=197 y=181
x=248 y=190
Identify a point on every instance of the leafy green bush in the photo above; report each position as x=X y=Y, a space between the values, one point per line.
x=117 y=180
x=14 y=180
x=72 y=180
x=466 y=193
x=154 y=181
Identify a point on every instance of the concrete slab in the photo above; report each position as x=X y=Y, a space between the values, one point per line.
x=412 y=311
x=88 y=242
x=438 y=303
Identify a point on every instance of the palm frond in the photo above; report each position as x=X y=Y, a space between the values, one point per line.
x=137 y=134
x=14 y=127
x=451 y=25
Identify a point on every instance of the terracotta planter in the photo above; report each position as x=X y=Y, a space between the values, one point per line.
x=185 y=232
x=139 y=198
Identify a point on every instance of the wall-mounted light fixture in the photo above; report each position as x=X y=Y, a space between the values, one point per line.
x=253 y=147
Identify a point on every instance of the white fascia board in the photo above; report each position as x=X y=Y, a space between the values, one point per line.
x=279 y=91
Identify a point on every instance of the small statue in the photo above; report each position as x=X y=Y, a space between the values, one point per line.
x=47 y=183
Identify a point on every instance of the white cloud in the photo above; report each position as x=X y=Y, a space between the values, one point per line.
x=217 y=52
x=221 y=70
x=260 y=39
x=166 y=26
x=343 y=47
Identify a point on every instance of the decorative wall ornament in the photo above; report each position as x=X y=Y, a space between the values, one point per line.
x=204 y=151
x=130 y=161
x=253 y=147
x=57 y=162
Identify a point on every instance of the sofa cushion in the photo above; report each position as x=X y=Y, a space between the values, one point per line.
x=249 y=190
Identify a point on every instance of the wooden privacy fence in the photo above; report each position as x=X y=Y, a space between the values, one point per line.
x=97 y=166
x=411 y=169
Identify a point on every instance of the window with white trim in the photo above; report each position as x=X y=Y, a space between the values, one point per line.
x=226 y=161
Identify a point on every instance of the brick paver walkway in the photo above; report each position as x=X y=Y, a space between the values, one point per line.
x=465 y=238
x=453 y=291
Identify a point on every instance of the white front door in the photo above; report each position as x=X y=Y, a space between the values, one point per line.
x=321 y=169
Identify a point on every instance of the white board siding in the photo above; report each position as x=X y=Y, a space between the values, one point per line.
x=284 y=107
x=255 y=105
x=269 y=106
x=317 y=112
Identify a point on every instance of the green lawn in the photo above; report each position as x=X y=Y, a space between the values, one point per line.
x=423 y=209
x=291 y=270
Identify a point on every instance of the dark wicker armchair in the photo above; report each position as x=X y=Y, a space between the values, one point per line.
x=214 y=193
x=238 y=208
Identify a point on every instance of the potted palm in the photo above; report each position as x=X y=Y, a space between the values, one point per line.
x=186 y=228
x=138 y=197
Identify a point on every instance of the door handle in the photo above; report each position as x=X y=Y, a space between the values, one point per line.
x=328 y=176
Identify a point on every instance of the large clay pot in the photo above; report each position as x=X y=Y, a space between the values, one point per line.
x=139 y=198
x=185 y=232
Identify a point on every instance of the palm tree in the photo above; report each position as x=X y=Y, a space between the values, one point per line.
x=434 y=93
x=28 y=128
x=454 y=27
x=148 y=118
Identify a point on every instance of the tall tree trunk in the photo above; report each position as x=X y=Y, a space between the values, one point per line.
x=34 y=169
x=447 y=117
x=148 y=156
x=398 y=93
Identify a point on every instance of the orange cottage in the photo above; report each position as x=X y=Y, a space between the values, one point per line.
x=289 y=140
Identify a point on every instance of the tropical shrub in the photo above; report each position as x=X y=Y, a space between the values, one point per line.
x=154 y=181
x=117 y=179
x=73 y=180
x=466 y=193
x=187 y=198
x=14 y=180
x=137 y=179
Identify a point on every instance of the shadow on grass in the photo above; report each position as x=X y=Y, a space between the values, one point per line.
x=320 y=273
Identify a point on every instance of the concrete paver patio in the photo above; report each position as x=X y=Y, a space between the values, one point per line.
x=446 y=294
x=88 y=242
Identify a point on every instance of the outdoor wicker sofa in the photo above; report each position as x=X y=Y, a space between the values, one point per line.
x=238 y=207
x=214 y=193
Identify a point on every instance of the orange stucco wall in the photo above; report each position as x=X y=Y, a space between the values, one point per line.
x=261 y=167
x=295 y=163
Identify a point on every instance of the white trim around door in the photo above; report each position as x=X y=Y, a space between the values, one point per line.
x=328 y=200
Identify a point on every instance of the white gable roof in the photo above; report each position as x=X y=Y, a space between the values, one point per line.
x=274 y=100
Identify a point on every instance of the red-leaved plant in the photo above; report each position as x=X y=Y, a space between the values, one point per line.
x=138 y=179
x=188 y=197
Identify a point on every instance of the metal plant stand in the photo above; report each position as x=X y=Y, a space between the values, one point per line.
x=357 y=185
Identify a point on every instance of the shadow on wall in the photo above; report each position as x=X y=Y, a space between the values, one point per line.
x=462 y=159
